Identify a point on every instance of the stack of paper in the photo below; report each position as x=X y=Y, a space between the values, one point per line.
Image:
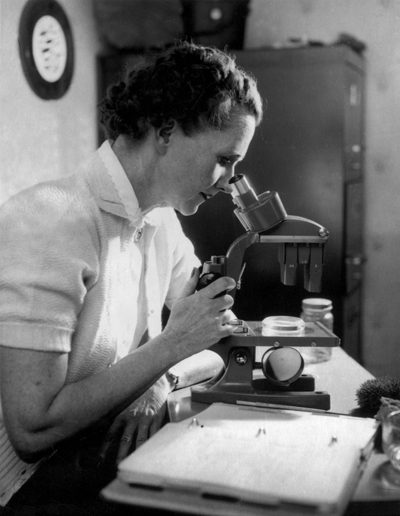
x=254 y=455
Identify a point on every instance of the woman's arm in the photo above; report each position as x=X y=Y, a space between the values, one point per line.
x=197 y=368
x=40 y=410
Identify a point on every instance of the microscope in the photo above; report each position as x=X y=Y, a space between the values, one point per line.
x=300 y=242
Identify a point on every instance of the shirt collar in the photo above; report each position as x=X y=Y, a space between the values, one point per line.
x=125 y=202
x=121 y=200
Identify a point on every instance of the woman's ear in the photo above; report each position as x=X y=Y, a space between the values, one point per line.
x=165 y=131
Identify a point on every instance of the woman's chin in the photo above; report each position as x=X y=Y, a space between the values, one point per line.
x=187 y=212
x=190 y=207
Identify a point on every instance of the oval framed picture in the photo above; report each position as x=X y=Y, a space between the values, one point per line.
x=46 y=48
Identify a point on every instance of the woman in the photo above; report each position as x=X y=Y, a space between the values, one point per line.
x=88 y=261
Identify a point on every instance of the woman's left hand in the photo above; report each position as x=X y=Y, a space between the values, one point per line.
x=137 y=423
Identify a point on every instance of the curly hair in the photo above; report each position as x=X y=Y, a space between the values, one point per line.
x=194 y=85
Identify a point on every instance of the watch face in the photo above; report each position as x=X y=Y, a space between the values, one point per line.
x=46 y=48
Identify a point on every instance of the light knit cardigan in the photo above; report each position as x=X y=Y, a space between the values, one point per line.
x=83 y=272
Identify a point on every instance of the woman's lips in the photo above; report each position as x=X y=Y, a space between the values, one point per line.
x=205 y=196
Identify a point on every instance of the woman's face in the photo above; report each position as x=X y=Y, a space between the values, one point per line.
x=199 y=166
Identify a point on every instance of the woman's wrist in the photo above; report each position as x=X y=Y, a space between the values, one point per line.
x=167 y=347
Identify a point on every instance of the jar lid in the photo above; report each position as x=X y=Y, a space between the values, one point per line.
x=316 y=303
x=282 y=325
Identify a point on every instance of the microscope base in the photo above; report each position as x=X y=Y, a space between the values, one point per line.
x=317 y=399
x=305 y=382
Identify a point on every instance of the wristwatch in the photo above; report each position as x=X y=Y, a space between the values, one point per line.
x=172 y=379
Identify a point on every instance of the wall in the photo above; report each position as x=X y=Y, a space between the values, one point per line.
x=42 y=139
x=376 y=23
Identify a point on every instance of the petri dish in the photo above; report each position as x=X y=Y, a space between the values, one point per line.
x=282 y=325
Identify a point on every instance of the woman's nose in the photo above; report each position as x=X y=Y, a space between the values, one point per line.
x=224 y=184
x=224 y=187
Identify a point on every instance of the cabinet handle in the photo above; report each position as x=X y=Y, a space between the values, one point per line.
x=356 y=260
x=354 y=95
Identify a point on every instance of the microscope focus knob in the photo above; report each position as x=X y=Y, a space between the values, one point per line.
x=207 y=278
x=212 y=269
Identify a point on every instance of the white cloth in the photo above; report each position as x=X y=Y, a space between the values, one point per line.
x=83 y=272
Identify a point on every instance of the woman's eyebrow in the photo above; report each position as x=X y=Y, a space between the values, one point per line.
x=231 y=155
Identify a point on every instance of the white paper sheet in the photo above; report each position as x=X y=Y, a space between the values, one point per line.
x=269 y=456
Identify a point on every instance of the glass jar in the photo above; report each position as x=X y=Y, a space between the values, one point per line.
x=317 y=309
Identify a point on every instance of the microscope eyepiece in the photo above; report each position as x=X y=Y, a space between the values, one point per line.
x=242 y=193
x=235 y=179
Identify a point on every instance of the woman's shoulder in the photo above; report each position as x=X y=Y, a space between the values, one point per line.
x=50 y=204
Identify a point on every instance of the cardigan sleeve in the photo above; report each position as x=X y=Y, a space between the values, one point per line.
x=49 y=258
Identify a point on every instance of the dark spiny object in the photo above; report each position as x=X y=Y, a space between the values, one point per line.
x=370 y=392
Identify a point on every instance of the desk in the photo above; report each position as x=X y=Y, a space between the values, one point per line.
x=341 y=377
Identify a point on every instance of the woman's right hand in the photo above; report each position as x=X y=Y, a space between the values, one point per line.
x=199 y=320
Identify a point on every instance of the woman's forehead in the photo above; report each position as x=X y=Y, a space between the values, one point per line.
x=240 y=126
x=233 y=139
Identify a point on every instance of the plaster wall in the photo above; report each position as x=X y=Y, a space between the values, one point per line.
x=42 y=139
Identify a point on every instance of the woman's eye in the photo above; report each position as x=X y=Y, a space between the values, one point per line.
x=224 y=162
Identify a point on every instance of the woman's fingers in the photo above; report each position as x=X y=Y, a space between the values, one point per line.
x=217 y=287
x=144 y=429
x=224 y=302
x=190 y=286
x=109 y=439
x=139 y=429
x=158 y=420
x=226 y=317
x=127 y=439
